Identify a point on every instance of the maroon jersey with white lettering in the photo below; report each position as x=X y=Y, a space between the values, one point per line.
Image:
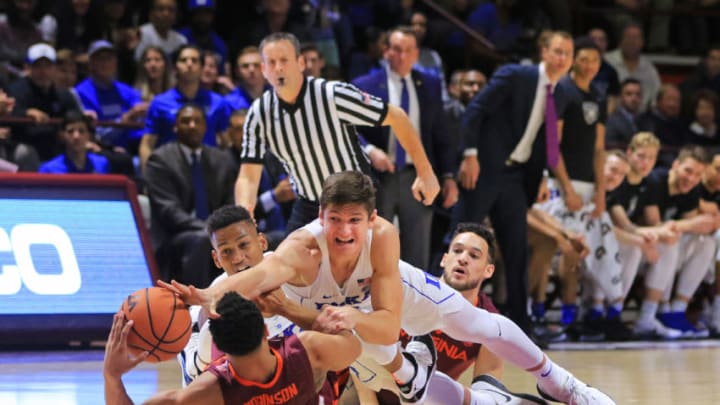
x=292 y=384
x=454 y=357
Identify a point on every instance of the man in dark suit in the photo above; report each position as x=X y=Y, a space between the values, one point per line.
x=420 y=95
x=504 y=128
x=621 y=125
x=186 y=181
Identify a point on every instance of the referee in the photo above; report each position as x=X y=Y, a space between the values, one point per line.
x=308 y=123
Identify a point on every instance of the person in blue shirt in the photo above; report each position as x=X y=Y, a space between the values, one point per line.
x=109 y=99
x=77 y=131
x=200 y=30
x=164 y=107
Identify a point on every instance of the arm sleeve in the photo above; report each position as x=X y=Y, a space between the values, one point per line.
x=253 y=146
x=483 y=105
x=357 y=107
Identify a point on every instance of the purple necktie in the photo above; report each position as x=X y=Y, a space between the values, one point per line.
x=552 y=145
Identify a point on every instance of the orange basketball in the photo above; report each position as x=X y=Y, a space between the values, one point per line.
x=161 y=323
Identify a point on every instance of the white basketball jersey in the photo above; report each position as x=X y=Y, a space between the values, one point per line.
x=324 y=290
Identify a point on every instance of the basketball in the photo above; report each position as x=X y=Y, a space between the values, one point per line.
x=161 y=323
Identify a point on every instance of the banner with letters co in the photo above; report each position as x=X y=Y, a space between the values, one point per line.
x=64 y=256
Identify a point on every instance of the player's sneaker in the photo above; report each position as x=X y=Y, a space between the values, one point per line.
x=714 y=321
x=678 y=320
x=655 y=330
x=616 y=331
x=577 y=392
x=188 y=359
x=420 y=351
x=487 y=384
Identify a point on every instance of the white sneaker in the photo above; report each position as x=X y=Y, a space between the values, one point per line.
x=487 y=384
x=655 y=329
x=579 y=393
x=187 y=359
x=421 y=352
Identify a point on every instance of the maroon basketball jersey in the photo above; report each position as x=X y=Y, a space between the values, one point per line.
x=454 y=357
x=292 y=383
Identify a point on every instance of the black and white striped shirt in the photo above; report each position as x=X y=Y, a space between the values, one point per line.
x=315 y=137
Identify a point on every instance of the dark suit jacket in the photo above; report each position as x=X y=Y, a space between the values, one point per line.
x=169 y=183
x=433 y=131
x=619 y=129
x=494 y=122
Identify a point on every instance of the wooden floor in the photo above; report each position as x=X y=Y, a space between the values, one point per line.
x=665 y=374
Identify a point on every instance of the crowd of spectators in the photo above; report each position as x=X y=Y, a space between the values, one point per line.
x=137 y=88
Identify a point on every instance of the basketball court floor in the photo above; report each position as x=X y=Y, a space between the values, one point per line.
x=661 y=373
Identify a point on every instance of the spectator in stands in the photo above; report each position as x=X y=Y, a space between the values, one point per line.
x=200 y=32
x=703 y=129
x=109 y=99
x=17 y=33
x=251 y=82
x=419 y=95
x=153 y=74
x=628 y=61
x=314 y=61
x=454 y=84
x=37 y=97
x=161 y=114
x=79 y=23
x=371 y=57
x=606 y=81
x=187 y=181
x=66 y=75
x=428 y=60
x=705 y=76
x=159 y=30
x=76 y=133
x=621 y=124
x=210 y=78
x=274 y=17
x=664 y=121
x=14 y=156
x=275 y=193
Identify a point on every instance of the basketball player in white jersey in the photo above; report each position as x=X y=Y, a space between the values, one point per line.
x=348 y=262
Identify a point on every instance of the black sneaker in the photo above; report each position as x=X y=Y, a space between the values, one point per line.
x=587 y=330
x=616 y=331
x=546 y=332
x=487 y=384
x=420 y=351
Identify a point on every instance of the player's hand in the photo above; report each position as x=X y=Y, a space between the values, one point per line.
x=425 y=188
x=469 y=172
x=272 y=302
x=380 y=161
x=333 y=319
x=599 y=201
x=573 y=202
x=669 y=233
x=543 y=192
x=118 y=359
x=649 y=250
x=283 y=191
x=193 y=296
x=450 y=193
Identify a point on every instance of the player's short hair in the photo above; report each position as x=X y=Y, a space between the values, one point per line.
x=480 y=230
x=694 y=152
x=277 y=37
x=226 y=216
x=644 y=139
x=348 y=187
x=240 y=328
x=618 y=154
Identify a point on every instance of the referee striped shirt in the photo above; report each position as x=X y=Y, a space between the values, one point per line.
x=315 y=137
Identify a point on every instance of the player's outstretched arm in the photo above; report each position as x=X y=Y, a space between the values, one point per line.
x=330 y=352
x=295 y=261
